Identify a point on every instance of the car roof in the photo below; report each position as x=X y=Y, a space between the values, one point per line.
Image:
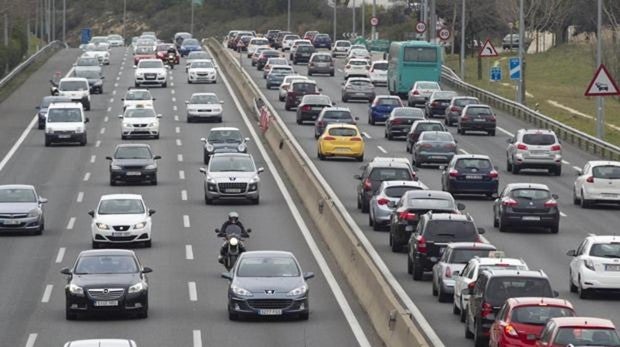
x=387 y=184
x=470 y=156
x=583 y=322
x=513 y=186
x=603 y=238
x=65 y=105
x=92 y=252
x=512 y=273
x=469 y=245
x=500 y=260
x=71 y=79
x=101 y=343
x=246 y=155
x=261 y=254
x=16 y=186
x=416 y=194
x=121 y=196
x=457 y=217
x=133 y=145
x=224 y=129
x=603 y=162
x=342 y=125
x=541 y=301
x=203 y=93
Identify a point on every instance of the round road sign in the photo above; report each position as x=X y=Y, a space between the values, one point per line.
x=374 y=21
x=420 y=27
x=444 y=34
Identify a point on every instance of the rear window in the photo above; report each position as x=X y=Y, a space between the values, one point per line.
x=398 y=191
x=605 y=250
x=451 y=231
x=322 y=57
x=436 y=136
x=479 y=111
x=480 y=164
x=420 y=54
x=530 y=194
x=502 y=288
x=465 y=102
x=428 y=85
x=304 y=87
x=358 y=62
x=380 y=66
x=539 y=139
x=390 y=174
x=578 y=336
x=408 y=112
x=443 y=95
x=337 y=115
x=428 y=127
x=360 y=83
x=609 y=172
x=305 y=48
x=539 y=315
x=389 y=101
x=316 y=99
x=463 y=256
x=342 y=132
x=432 y=204
x=343 y=44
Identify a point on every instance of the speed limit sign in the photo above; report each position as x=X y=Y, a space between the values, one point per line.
x=420 y=27
x=444 y=34
x=374 y=21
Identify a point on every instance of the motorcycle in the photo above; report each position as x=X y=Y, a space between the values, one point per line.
x=233 y=246
x=170 y=60
x=54 y=88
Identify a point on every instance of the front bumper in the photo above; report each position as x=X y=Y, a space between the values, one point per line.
x=268 y=306
x=20 y=224
x=159 y=80
x=112 y=236
x=139 y=131
x=65 y=137
x=215 y=192
x=195 y=78
x=138 y=175
x=125 y=304
x=207 y=114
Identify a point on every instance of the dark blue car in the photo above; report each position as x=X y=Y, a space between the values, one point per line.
x=322 y=41
x=189 y=45
x=275 y=78
x=470 y=174
x=381 y=107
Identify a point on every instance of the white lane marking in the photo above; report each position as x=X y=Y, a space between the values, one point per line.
x=341 y=299
x=562 y=214
x=86 y=176
x=174 y=107
x=177 y=129
x=174 y=99
x=47 y=293
x=118 y=78
x=19 y=142
x=179 y=143
x=176 y=118
x=184 y=194
x=61 y=255
x=115 y=85
x=71 y=223
x=98 y=143
x=186 y=221
x=111 y=100
x=463 y=151
x=577 y=168
x=382 y=149
x=105 y=119
x=114 y=92
x=180 y=157
x=197 y=338
x=505 y=131
x=181 y=174
x=565 y=162
x=172 y=85
x=102 y=130
x=366 y=135
x=189 y=252
x=109 y=109
x=80 y=197
x=171 y=78
x=93 y=158
x=32 y=338
x=193 y=293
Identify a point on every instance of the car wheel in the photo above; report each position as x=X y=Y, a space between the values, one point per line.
x=344 y=99
x=459 y=130
x=408 y=148
x=390 y=137
x=555 y=229
x=455 y=309
x=508 y=165
x=208 y=201
x=331 y=74
x=371 y=121
x=83 y=140
x=576 y=200
x=441 y=295
x=571 y=286
x=584 y=203
x=463 y=312
x=515 y=169
x=233 y=316
x=154 y=180
x=286 y=107
x=502 y=226
x=583 y=293
x=164 y=85
x=417 y=272
x=468 y=333
x=495 y=220
x=256 y=201
x=148 y=244
x=360 y=158
x=309 y=73
x=68 y=314
x=156 y=137
x=304 y=316
x=558 y=171
x=365 y=207
x=434 y=288
x=41 y=228
x=320 y=155
x=95 y=245
x=144 y=312
x=479 y=340
x=492 y=133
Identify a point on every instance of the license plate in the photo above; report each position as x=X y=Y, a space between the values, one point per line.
x=341 y=150
x=538 y=152
x=409 y=228
x=478 y=119
x=150 y=77
x=531 y=218
x=233 y=190
x=106 y=303
x=64 y=136
x=305 y=55
x=609 y=195
x=134 y=173
x=11 y=222
x=272 y=312
x=531 y=337
x=120 y=234
x=473 y=177
x=612 y=267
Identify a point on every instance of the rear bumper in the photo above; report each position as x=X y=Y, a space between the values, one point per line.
x=516 y=219
x=476 y=187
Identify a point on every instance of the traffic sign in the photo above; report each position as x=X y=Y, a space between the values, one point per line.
x=374 y=21
x=488 y=50
x=602 y=84
x=496 y=73
x=420 y=27
x=444 y=34
x=514 y=68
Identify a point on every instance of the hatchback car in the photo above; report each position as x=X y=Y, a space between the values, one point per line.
x=133 y=162
x=195 y=55
x=534 y=149
x=597 y=182
x=470 y=174
x=276 y=76
x=378 y=72
x=322 y=41
x=454 y=109
x=595 y=265
x=281 y=63
x=231 y=176
x=189 y=45
x=297 y=90
x=287 y=41
x=95 y=79
x=400 y=120
x=264 y=56
x=256 y=43
x=286 y=82
x=21 y=209
x=341 y=140
x=223 y=140
x=381 y=107
x=268 y=283
x=357 y=68
x=526 y=205
x=383 y=202
x=204 y=106
x=433 y=147
x=302 y=54
x=421 y=91
x=106 y=281
x=341 y=48
x=356 y=88
x=357 y=52
x=380 y=169
x=477 y=118
x=321 y=63
x=311 y=106
x=437 y=103
x=578 y=331
x=151 y=71
x=330 y=115
x=138 y=121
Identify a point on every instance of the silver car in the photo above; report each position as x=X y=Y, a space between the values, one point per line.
x=534 y=149
x=358 y=88
x=231 y=176
x=434 y=147
x=204 y=106
x=421 y=91
x=21 y=209
x=383 y=202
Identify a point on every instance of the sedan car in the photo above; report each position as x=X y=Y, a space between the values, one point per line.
x=189 y=45
x=421 y=91
x=281 y=62
x=577 y=332
x=438 y=102
x=526 y=205
x=101 y=343
x=133 y=162
x=223 y=140
x=106 y=281
x=400 y=121
x=231 y=176
x=381 y=107
x=383 y=202
x=116 y=40
x=201 y=71
x=256 y=43
x=151 y=71
x=454 y=109
x=138 y=121
x=121 y=219
x=477 y=118
x=420 y=126
x=204 y=106
x=595 y=265
x=195 y=55
x=321 y=63
x=267 y=283
x=378 y=170
x=597 y=182
x=356 y=88
x=302 y=54
x=45 y=103
x=311 y=106
x=433 y=147
x=21 y=209
x=470 y=174
x=264 y=56
x=95 y=80
x=322 y=41
x=330 y=115
x=137 y=96
x=341 y=140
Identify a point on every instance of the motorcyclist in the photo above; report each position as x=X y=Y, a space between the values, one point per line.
x=172 y=50
x=233 y=219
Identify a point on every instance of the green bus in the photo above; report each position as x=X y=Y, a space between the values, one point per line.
x=412 y=61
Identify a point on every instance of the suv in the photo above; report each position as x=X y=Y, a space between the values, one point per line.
x=151 y=71
x=311 y=106
x=511 y=41
x=490 y=292
x=526 y=205
x=378 y=170
x=231 y=176
x=470 y=174
x=297 y=90
x=595 y=265
x=65 y=122
x=477 y=118
x=76 y=88
x=133 y=162
x=534 y=149
x=400 y=120
x=598 y=181
x=302 y=54
x=321 y=63
x=418 y=127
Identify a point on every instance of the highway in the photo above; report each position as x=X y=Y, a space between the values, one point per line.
x=187 y=295
x=540 y=249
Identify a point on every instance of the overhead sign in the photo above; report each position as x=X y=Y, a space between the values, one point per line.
x=444 y=34
x=602 y=84
x=514 y=68
x=496 y=73
x=420 y=27
x=488 y=50
x=374 y=21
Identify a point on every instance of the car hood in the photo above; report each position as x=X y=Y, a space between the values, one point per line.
x=120 y=219
x=197 y=69
x=72 y=93
x=141 y=120
x=232 y=176
x=261 y=284
x=17 y=207
x=106 y=280
x=223 y=147
x=133 y=162
x=151 y=70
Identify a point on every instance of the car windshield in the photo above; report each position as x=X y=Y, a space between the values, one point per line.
x=73 y=86
x=347 y=132
x=291 y=37
x=389 y=102
x=114 y=37
x=380 y=66
x=610 y=172
x=121 y=206
x=586 y=336
x=398 y=191
x=269 y=54
x=138 y=95
x=17 y=195
x=190 y=42
x=87 y=62
x=151 y=64
x=322 y=58
x=202 y=64
x=436 y=136
x=504 y=287
x=428 y=85
x=140 y=113
x=198 y=55
x=231 y=163
x=466 y=101
x=539 y=315
x=451 y=231
x=429 y=127
x=479 y=111
x=531 y=194
x=539 y=139
x=472 y=163
x=358 y=62
x=89 y=74
x=443 y=95
x=106 y=264
x=268 y=267
x=390 y=174
x=132 y=152
x=282 y=68
x=144 y=50
x=605 y=250
x=337 y=115
x=63 y=115
x=464 y=255
x=219 y=136
x=204 y=99
x=305 y=48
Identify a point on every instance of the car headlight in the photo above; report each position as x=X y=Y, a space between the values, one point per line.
x=98 y=82
x=255 y=179
x=79 y=130
x=140 y=225
x=240 y=291
x=139 y=74
x=75 y=289
x=115 y=167
x=298 y=291
x=126 y=125
x=151 y=167
x=211 y=180
x=48 y=130
x=241 y=148
x=33 y=213
x=153 y=124
x=102 y=226
x=136 y=288
x=210 y=148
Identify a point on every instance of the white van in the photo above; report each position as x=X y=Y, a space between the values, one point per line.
x=77 y=89
x=65 y=122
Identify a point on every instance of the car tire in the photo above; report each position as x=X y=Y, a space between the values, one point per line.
x=365 y=206
x=256 y=201
x=148 y=244
x=558 y=171
x=502 y=227
x=190 y=119
x=434 y=288
x=491 y=133
x=463 y=313
x=48 y=141
x=515 y=169
x=208 y=201
x=468 y=333
x=576 y=200
x=232 y=316
x=68 y=314
x=219 y=120
x=555 y=229
x=156 y=137
x=495 y=221
x=371 y=121
x=309 y=73
x=571 y=286
x=360 y=158
x=154 y=180
x=205 y=157
x=331 y=74
x=508 y=165
x=390 y=137
x=344 y=99
x=479 y=340
x=409 y=266
x=583 y=293
x=286 y=107
x=95 y=244
x=584 y=203
x=441 y=295
x=417 y=272
x=164 y=85
x=320 y=155
x=304 y=316
x=455 y=309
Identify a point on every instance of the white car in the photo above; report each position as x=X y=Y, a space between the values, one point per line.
x=195 y=55
x=231 y=176
x=65 y=122
x=378 y=72
x=341 y=48
x=102 y=52
x=204 y=106
x=287 y=41
x=468 y=276
x=95 y=40
x=357 y=67
x=121 y=219
x=75 y=88
x=595 y=265
x=138 y=121
x=151 y=71
x=296 y=44
x=137 y=96
x=598 y=182
x=283 y=89
x=256 y=43
x=201 y=70
x=116 y=40
x=357 y=53
x=101 y=343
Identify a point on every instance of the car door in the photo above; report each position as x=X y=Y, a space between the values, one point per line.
x=577 y=260
x=458 y=283
x=497 y=328
x=511 y=147
x=438 y=268
x=580 y=178
x=497 y=204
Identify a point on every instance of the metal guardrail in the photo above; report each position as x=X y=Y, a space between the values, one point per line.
x=34 y=57
x=569 y=134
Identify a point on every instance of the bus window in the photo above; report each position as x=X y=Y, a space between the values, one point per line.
x=420 y=54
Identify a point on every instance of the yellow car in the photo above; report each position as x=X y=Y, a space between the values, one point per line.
x=341 y=140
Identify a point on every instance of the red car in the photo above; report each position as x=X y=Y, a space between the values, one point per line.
x=521 y=320
x=309 y=35
x=162 y=52
x=143 y=52
x=579 y=331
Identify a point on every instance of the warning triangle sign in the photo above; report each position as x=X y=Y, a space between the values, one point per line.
x=602 y=84
x=488 y=50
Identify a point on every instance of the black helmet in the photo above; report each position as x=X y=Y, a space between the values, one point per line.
x=233 y=217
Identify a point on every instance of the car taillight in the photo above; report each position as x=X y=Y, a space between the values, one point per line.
x=415 y=92
x=383 y=201
x=492 y=118
x=521 y=146
x=367 y=184
x=347 y=67
x=448 y=273
x=434 y=104
x=356 y=138
x=311 y=64
x=426 y=145
x=406 y=216
x=551 y=203
x=454 y=109
x=320 y=123
x=449 y=145
x=590 y=179
x=306 y=108
x=471 y=285
x=453 y=173
x=372 y=70
x=465 y=118
x=556 y=148
x=329 y=138
x=396 y=121
x=487 y=309
x=510 y=203
x=509 y=330
x=421 y=243
x=494 y=174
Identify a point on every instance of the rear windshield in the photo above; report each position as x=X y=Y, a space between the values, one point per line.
x=342 y=132
x=436 y=136
x=463 y=256
x=380 y=66
x=429 y=127
x=389 y=101
x=343 y=44
x=362 y=83
x=337 y=115
x=539 y=139
x=305 y=48
x=304 y=87
x=390 y=174
x=428 y=85
x=271 y=54
x=358 y=62
x=408 y=112
x=502 y=288
x=73 y=85
x=420 y=54
x=609 y=172
x=530 y=194
x=398 y=191
x=322 y=57
x=451 y=231
x=316 y=99
x=431 y=204
x=479 y=111
x=480 y=164
x=586 y=337
x=188 y=42
x=539 y=315
x=465 y=102
x=605 y=250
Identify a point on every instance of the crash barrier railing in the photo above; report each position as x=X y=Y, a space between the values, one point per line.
x=33 y=58
x=568 y=134
x=394 y=316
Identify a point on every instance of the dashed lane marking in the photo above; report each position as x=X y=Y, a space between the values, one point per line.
x=177 y=129
x=179 y=157
x=86 y=176
x=193 y=293
x=60 y=255
x=366 y=135
x=102 y=131
x=80 y=197
x=181 y=174
x=463 y=151
x=93 y=158
x=71 y=223
x=382 y=149
x=47 y=293
x=189 y=252
x=197 y=338
x=179 y=143
x=98 y=143
x=505 y=131
x=184 y=195
x=32 y=338
x=186 y=223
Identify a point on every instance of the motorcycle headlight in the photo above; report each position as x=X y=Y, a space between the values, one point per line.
x=102 y=226
x=298 y=291
x=136 y=288
x=240 y=291
x=115 y=167
x=151 y=167
x=140 y=225
x=33 y=213
x=210 y=148
x=75 y=289
x=241 y=148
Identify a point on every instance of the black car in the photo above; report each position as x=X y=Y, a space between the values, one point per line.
x=411 y=206
x=311 y=106
x=470 y=174
x=271 y=35
x=526 y=205
x=477 y=118
x=267 y=283
x=418 y=127
x=297 y=90
x=133 y=163
x=378 y=170
x=433 y=147
x=400 y=121
x=45 y=103
x=330 y=115
x=224 y=140
x=106 y=281
x=454 y=109
x=95 y=80
x=322 y=41
x=302 y=54
x=438 y=102
x=491 y=290
x=264 y=56
x=432 y=234
x=277 y=43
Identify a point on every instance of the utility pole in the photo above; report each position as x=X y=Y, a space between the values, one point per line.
x=600 y=104
x=432 y=26
x=191 y=26
x=124 y=19
x=53 y=20
x=335 y=13
x=463 y=40
x=521 y=95
x=64 y=21
x=374 y=14
x=364 y=18
x=353 y=29
x=288 y=17
x=48 y=27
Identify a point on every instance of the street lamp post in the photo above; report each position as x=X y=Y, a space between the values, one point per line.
x=335 y=13
x=353 y=29
x=363 y=18
x=432 y=26
x=191 y=26
x=521 y=94
x=600 y=111
x=463 y=40
x=288 y=17
x=374 y=14
x=124 y=18
x=64 y=20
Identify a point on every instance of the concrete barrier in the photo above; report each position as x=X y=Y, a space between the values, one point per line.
x=375 y=293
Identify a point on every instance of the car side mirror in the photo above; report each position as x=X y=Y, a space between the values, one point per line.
x=65 y=271
x=159 y=116
x=203 y=170
x=555 y=196
x=186 y=102
x=248 y=230
x=37 y=107
x=333 y=103
x=460 y=206
x=91 y=213
x=357 y=118
x=455 y=273
x=481 y=231
x=358 y=177
x=146 y=270
x=157 y=157
x=120 y=116
x=556 y=293
x=86 y=120
x=320 y=89
x=227 y=275
x=135 y=66
x=571 y=253
x=578 y=171
x=509 y=140
x=260 y=169
x=151 y=212
x=202 y=139
x=108 y=158
x=494 y=196
x=308 y=275
x=122 y=99
x=102 y=77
